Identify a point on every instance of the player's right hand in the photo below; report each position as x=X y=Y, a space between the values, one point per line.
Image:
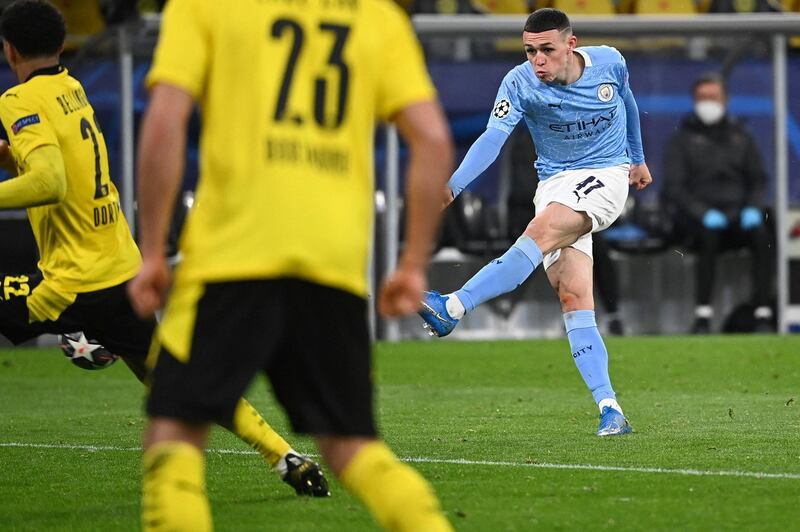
x=147 y=291
x=401 y=293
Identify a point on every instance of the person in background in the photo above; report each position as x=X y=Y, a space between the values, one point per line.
x=714 y=182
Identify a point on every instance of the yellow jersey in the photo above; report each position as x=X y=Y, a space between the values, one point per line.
x=84 y=242
x=289 y=92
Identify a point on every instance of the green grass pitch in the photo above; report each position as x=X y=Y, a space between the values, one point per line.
x=503 y=430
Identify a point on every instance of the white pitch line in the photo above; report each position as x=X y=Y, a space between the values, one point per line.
x=626 y=469
x=456 y=461
x=98 y=448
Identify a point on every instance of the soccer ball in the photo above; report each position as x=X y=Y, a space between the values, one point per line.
x=86 y=354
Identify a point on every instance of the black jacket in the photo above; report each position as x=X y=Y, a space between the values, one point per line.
x=715 y=166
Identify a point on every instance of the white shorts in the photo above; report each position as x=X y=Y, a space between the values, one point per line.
x=599 y=192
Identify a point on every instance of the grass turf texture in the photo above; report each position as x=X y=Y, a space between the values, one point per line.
x=709 y=404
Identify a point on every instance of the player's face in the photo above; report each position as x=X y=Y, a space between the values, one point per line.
x=550 y=53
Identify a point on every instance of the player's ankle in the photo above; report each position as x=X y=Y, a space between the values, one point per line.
x=281 y=467
x=609 y=402
x=455 y=308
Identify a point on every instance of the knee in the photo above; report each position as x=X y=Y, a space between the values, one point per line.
x=164 y=429
x=536 y=229
x=542 y=231
x=338 y=451
x=573 y=297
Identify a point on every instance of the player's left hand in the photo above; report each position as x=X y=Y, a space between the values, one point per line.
x=401 y=293
x=147 y=291
x=750 y=218
x=639 y=176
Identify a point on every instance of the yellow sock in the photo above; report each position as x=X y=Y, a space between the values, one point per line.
x=256 y=432
x=174 y=490
x=396 y=495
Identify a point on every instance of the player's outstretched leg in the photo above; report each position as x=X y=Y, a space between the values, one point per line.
x=300 y=472
x=442 y=313
x=591 y=357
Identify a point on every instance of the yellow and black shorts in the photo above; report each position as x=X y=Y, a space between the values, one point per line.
x=311 y=341
x=103 y=315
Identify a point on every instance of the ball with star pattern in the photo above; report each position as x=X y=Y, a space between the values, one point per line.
x=85 y=353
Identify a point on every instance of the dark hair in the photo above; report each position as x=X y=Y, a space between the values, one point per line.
x=34 y=27
x=547 y=19
x=710 y=77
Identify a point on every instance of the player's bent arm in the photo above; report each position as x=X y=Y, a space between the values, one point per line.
x=160 y=162
x=162 y=146
x=634 y=128
x=424 y=128
x=481 y=154
x=43 y=182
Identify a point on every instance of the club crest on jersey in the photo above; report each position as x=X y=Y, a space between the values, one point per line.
x=501 y=109
x=605 y=92
x=24 y=121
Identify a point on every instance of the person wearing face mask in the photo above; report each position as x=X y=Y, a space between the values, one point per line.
x=714 y=185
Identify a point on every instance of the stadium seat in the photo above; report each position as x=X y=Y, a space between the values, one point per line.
x=664 y=7
x=588 y=8
x=502 y=7
x=584 y=7
x=744 y=6
x=83 y=20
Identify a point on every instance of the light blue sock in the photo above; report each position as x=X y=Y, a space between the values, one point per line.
x=501 y=275
x=589 y=353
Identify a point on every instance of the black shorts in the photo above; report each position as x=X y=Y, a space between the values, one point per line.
x=103 y=315
x=311 y=341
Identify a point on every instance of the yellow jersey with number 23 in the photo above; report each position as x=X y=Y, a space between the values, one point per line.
x=289 y=92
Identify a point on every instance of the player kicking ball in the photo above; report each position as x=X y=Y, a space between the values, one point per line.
x=584 y=122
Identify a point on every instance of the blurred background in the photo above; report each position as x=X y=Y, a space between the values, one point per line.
x=646 y=281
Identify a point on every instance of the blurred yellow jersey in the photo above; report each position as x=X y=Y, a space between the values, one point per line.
x=84 y=241
x=289 y=91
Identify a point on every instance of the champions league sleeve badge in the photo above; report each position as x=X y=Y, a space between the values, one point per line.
x=605 y=92
x=501 y=109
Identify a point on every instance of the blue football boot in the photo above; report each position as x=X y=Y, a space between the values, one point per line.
x=613 y=423
x=434 y=312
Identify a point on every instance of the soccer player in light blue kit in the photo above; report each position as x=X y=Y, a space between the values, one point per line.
x=584 y=122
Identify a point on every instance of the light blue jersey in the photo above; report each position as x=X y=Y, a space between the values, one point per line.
x=576 y=126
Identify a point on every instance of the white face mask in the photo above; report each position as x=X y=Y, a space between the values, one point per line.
x=709 y=112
